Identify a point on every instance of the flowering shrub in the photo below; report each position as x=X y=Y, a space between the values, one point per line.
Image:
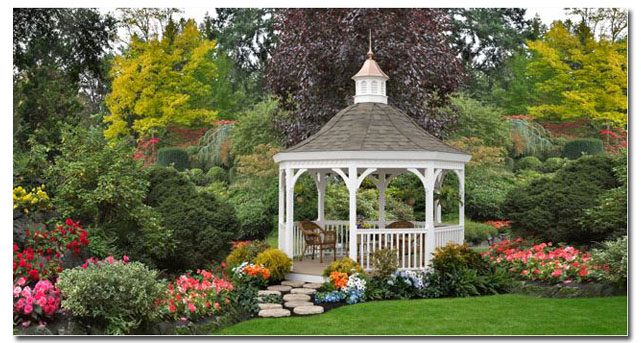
x=25 y=201
x=276 y=261
x=254 y=274
x=34 y=305
x=41 y=257
x=349 y=289
x=544 y=262
x=196 y=296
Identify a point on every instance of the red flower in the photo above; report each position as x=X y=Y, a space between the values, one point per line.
x=33 y=274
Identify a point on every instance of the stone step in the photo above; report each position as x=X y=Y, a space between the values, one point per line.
x=269 y=306
x=275 y=313
x=306 y=310
x=313 y=285
x=292 y=283
x=268 y=292
x=308 y=291
x=294 y=304
x=296 y=297
x=279 y=288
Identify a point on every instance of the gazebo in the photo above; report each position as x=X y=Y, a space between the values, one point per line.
x=369 y=139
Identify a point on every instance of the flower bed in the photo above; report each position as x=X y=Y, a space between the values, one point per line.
x=192 y=297
x=544 y=262
x=342 y=287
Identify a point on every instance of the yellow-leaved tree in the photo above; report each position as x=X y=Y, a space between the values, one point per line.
x=576 y=76
x=161 y=82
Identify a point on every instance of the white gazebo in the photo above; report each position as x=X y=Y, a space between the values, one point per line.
x=369 y=139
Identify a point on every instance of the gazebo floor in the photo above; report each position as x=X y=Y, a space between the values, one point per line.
x=312 y=267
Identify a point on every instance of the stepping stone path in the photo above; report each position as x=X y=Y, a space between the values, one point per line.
x=296 y=297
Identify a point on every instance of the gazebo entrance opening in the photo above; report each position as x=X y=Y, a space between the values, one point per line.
x=413 y=241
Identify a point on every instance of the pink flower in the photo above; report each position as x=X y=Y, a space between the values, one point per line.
x=16 y=291
x=125 y=258
x=22 y=281
x=557 y=273
x=28 y=309
x=192 y=308
x=217 y=306
x=110 y=259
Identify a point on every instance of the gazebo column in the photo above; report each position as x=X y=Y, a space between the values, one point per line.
x=352 y=186
x=429 y=212
x=461 y=192
x=281 y=212
x=289 y=213
x=321 y=185
x=381 y=185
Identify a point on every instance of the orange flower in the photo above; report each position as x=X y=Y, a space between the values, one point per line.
x=338 y=279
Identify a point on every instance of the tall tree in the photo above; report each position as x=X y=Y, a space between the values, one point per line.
x=611 y=23
x=59 y=68
x=144 y=23
x=170 y=81
x=576 y=76
x=247 y=36
x=319 y=50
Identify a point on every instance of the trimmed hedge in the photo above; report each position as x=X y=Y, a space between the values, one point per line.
x=588 y=146
x=173 y=155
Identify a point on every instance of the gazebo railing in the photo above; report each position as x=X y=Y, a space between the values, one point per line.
x=410 y=243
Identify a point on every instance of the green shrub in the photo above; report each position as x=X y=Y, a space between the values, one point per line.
x=344 y=265
x=255 y=210
x=245 y=253
x=528 y=162
x=552 y=164
x=384 y=262
x=197 y=176
x=578 y=147
x=101 y=185
x=175 y=156
x=119 y=296
x=276 y=261
x=458 y=271
x=485 y=191
x=218 y=174
x=550 y=208
x=476 y=232
x=614 y=254
x=203 y=225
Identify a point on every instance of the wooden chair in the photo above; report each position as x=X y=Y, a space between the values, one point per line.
x=315 y=236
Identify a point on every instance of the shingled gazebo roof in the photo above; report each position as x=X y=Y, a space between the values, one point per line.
x=372 y=127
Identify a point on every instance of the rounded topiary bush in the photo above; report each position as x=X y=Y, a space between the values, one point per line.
x=218 y=174
x=118 y=296
x=202 y=224
x=177 y=157
x=528 y=162
x=583 y=146
x=276 y=261
x=550 y=208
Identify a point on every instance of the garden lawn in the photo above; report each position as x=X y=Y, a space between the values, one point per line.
x=489 y=315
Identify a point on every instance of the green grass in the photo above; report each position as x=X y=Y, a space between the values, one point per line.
x=490 y=315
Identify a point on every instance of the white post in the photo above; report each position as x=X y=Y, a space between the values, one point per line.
x=461 y=192
x=289 y=225
x=381 y=185
x=281 y=212
x=351 y=187
x=321 y=183
x=429 y=212
x=437 y=210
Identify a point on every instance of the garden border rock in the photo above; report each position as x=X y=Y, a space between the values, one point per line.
x=569 y=290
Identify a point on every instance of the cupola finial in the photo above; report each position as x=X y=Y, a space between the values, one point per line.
x=370 y=53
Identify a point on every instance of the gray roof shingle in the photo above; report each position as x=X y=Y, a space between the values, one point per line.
x=372 y=127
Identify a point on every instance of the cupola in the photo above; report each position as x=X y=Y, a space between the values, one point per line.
x=370 y=81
